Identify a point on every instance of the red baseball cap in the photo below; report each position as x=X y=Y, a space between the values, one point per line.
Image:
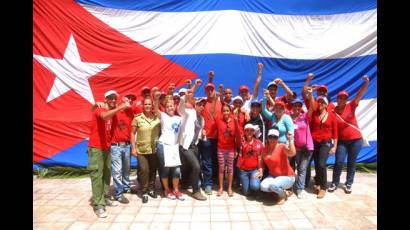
x=130 y=95
x=210 y=85
x=280 y=102
x=243 y=87
x=145 y=88
x=322 y=87
x=343 y=93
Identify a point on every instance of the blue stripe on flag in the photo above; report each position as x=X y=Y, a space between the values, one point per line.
x=235 y=70
x=288 y=7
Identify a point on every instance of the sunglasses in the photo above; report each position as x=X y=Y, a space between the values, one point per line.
x=273 y=137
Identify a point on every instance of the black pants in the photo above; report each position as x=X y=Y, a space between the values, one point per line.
x=190 y=166
x=320 y=155
x=147 y=168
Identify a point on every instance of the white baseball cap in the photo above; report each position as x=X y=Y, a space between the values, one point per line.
x=237 y=98
x=322 y=98
x=273 y=132
x=110 y=92
x=249 y=126
x=182 y=90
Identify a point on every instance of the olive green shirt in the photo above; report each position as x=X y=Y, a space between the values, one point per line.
x=148 y=131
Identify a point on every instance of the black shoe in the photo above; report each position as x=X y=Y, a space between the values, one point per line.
x=348 y=189
x=123 y=200
x=144 y=198
x=152 y=194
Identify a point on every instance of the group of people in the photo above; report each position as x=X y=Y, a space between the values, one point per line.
x=261 y=145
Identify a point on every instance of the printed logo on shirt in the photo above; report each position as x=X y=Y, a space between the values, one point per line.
x=175 y=127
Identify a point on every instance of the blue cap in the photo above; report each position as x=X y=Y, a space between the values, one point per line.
x=256 y=102
x=297 y=100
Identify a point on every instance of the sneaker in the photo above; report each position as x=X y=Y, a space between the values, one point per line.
x=169 y=194
x=100 y=212
x=299 y=194
x=110 y=203
x=332 y=188
x=127 y=191
x=123 y=200
x=198 y=195
x=152 y=194
x=321 y=194
x=179 y=195
x=144 y=198
x=208 y=190
x=348 y=189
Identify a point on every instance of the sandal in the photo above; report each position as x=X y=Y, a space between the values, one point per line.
x=219 y=193
x=230 y=193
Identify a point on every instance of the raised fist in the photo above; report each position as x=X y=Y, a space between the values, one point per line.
x=198 y=82
x=365 y=78
x=211 y=74
x=311 y=76
x=278 y=81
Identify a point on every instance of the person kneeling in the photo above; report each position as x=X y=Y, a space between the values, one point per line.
x=250 y=162
x=281 y=175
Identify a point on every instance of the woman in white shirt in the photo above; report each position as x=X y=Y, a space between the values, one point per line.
x=167 y=147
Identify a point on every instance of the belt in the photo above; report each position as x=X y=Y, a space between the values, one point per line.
x=121 y=143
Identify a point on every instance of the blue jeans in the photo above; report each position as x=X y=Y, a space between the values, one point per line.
x=302 y=159
x=207 y=151
x=350 y=149
x=277 y=184
x=120 y=158
x=249 y=181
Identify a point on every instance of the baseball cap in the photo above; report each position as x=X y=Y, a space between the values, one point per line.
x=249 y=126
x=110 y=92
x=272 y=83
x=343 y=93
x=243 y=87
x=182 y=90
x=175 y=95
x=210 y=85
x=273 y=132
x=237 y=98
x=200 y=99
x=280 y=102
x=145 y=88
x=297 y=100
x=322 y=98
x=130 y=95
x=255 y=103
x=322 y=87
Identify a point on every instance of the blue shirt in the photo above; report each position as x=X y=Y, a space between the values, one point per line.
x=284 y=125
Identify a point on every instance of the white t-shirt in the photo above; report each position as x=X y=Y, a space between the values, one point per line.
x=170 y=127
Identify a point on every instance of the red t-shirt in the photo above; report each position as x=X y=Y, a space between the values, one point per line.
x=101 y=131
x=250 y=154
x=227 y=133
x=326 y=131
x=241 y=123
x=278 y=163
x=345 y=131
x=122 y=130
x=210 y=126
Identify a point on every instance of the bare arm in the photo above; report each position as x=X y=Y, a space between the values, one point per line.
x=290 y=149
x=311 y=101
x=268 y=114
x=98 y=105
x=156 y=104
x=221 y=95
x=189 y=83
x=362 y=89
x=308 y=79
x=257 y=82
x=110 y=113
x=132 y=140
x=198 y=82
x=288 y=91
x=213 y=106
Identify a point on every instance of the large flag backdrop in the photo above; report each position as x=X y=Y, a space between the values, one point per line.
x=82 y=49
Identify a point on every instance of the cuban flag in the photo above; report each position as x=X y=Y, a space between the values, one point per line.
x=83 y=48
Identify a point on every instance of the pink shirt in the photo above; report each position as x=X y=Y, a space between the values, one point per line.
x=303 y=137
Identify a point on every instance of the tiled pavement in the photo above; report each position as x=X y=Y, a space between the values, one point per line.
x=64 y=204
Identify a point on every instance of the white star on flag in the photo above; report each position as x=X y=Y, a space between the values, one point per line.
x=71 y=72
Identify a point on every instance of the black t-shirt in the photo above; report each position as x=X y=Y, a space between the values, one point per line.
x=260 y=121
